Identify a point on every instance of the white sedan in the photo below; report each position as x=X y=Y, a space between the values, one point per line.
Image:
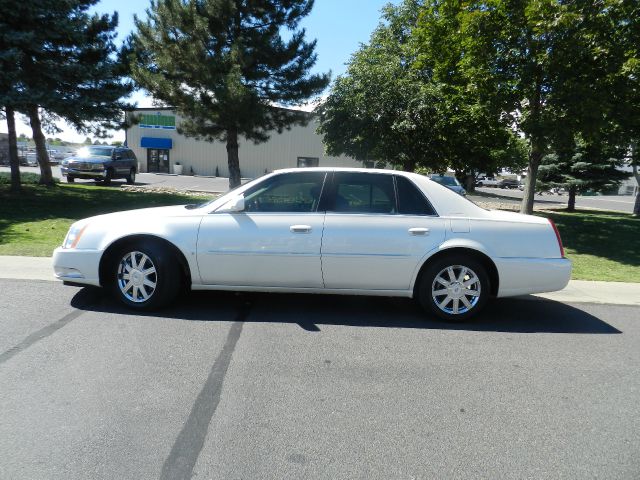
x=321 y=230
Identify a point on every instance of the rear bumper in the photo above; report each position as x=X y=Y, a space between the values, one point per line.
x=77 y=266
x=521 y=276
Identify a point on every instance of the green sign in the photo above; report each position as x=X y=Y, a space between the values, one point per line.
x=156 y=120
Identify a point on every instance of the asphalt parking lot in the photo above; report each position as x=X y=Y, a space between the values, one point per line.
x=227 y=386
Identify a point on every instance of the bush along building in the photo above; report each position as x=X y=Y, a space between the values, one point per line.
x=153 y=134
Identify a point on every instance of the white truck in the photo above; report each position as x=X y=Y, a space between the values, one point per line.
x=486 y=181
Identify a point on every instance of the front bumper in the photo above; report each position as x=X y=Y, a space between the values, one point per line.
x=88 y=174
x=522 y=276
x=77 y=266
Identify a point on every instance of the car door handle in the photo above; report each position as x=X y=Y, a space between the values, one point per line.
x=300 y=228
x=419 y=231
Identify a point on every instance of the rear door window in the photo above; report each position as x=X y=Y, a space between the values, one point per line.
x=363 y=193
x=411 y=201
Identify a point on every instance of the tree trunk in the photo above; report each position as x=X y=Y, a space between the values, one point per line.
x=409 y=165
x=571 y=206
x=532 y=174
x=232 y=158
x=537 y=148
x=46 y=177
x=14 y=161
x=470 y=182
x=636 y=205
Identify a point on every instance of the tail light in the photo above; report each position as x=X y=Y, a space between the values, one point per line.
x=555 y=229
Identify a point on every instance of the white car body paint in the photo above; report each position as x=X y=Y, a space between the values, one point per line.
x=339 y=253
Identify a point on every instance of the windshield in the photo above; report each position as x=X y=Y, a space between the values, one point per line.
x=219 y=201
x=449 y=181
x=95 y=152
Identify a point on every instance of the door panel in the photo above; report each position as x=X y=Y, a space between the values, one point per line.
x=275 y=242
x=261 y=249
x=376 y=252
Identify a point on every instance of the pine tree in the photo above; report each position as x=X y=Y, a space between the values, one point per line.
x=224 y=65
x=67 y=66
x=587 y=166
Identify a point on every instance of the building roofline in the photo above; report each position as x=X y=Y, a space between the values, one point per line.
x=156 y=109
x=148 y=109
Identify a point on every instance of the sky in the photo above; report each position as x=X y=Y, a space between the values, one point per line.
x=339 y=26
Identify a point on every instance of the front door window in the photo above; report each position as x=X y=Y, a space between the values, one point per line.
x=157 y=160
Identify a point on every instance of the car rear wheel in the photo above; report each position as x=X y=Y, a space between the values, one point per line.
x=70 y=179
x=131 y=178
x=454 y=288
x=145 y=277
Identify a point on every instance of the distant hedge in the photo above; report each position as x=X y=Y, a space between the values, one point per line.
x=25 y=178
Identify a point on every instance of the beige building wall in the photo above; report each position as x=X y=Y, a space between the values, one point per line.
x=280 y=151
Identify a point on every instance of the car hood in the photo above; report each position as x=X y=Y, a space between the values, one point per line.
x=140 y=215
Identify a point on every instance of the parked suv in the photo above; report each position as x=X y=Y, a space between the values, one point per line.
x=509 y=183
x=101 y=163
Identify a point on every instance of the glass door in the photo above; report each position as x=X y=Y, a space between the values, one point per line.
x=157 y=160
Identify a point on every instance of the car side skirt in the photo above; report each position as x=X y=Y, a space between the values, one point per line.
x=330 y=291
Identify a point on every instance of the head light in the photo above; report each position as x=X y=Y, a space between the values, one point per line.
x=73 y=236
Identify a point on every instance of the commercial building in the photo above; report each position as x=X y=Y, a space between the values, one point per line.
x=159 y=147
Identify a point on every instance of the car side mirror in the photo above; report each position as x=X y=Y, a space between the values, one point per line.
x=236 y=204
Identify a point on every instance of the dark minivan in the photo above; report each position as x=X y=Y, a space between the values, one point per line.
x=101 y=163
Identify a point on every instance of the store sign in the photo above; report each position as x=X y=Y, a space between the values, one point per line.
x=157 y=120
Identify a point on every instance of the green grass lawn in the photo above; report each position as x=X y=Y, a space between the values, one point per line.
x=36 y=222
x=602 y=245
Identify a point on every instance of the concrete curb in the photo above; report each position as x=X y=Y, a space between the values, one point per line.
x=578 y=291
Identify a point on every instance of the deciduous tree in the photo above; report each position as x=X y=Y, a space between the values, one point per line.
x=543 y=63
x=395 y=104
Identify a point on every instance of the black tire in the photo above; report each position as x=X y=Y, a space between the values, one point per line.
x=167 y=277
x=70 y=179
x=131 y=178
x=108 y=177
x=428 y=287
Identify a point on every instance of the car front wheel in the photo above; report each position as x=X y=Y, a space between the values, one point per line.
x=145 y=277
x=454 y=288
x=131 y=178
x=108 y=177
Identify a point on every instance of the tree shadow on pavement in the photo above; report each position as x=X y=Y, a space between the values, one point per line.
x=310 y=312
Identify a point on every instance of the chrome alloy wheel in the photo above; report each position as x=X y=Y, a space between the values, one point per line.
x=137 y=277
x=456 y=289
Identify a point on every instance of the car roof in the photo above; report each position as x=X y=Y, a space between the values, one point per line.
x=350 y=169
